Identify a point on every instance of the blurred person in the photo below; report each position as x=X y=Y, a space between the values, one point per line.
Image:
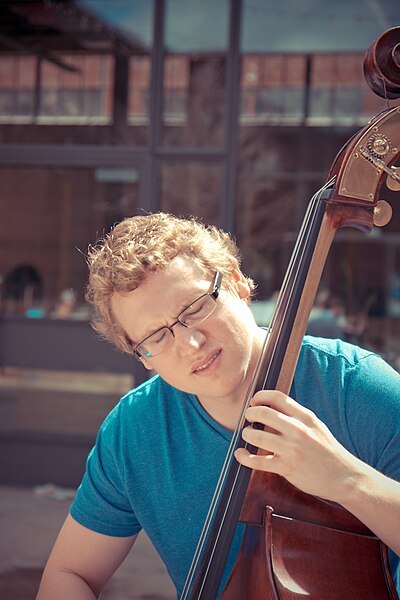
x=171 y=292
x=66 y=304
x=22 y=288
x=68 y=307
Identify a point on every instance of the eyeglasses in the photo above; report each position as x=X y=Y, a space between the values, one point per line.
x=192 y=315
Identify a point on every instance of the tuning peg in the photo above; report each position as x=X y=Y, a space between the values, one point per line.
x=382 y=213
x=392 y=183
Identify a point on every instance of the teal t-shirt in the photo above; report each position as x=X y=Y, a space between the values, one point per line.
x=158 y=454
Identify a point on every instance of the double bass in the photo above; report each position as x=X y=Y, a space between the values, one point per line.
x=297 y=545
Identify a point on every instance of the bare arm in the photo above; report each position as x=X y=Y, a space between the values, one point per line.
x=81 y=563
x=303 y=450
x=375 y=500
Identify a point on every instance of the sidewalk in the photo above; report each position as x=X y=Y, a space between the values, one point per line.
x=29 y=524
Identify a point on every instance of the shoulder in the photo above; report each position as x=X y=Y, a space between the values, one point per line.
x=327 y=356
x=145 y=403
x=144 y=395
x=357 y=394
x=325 y=350
x=335 y=363
x=322 y=357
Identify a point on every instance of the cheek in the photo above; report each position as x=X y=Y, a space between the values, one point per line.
x=237 y=315
x=238 y=327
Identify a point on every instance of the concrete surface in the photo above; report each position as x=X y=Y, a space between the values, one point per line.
x=29 y=522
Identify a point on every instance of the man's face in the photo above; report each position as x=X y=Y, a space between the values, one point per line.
x=213 y=360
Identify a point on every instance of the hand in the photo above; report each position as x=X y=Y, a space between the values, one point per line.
x=299 y=447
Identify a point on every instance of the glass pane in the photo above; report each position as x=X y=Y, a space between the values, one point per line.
x=310 y=27
x=132 y=18
x=357 y=273
x=17 y=88
x=82 y=95
x=139 y=90
x=277 y=40
x=196 y=34
x=339 y=93
x=265 y=230
x=192 y=188
x=52 y=216
x=196 y=26
x=272 y=89
x=193 y=101
x=279 y=170
x=88 y=69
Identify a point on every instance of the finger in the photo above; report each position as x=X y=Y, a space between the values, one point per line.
x=284 y=404
x=269 y=417
x=273 y=398
x=267 y=462
x=259 y=438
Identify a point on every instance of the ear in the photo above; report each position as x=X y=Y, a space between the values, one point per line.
x=240 y=283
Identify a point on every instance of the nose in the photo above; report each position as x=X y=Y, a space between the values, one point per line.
x=189 y=339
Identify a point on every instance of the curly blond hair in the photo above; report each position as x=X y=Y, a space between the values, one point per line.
x=144 y=244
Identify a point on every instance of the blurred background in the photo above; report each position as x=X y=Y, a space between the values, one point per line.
x=229 y=110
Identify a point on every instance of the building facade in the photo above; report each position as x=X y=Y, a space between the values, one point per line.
x=229 y=110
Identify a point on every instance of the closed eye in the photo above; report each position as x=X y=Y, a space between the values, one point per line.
x=158 y=337
x=194 y=309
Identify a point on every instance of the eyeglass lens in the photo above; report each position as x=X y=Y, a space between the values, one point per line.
x=194 y=314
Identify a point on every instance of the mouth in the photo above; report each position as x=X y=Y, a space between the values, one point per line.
x=204 y=366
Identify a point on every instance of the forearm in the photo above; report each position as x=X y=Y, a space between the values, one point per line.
x=62 y=585
x=375 y=500
x=81 y=563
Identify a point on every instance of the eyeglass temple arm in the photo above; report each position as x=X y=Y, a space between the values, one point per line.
x=216 y=284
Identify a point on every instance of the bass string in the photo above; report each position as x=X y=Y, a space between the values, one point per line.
x=297 y=258
x=286 y=293
x=284 y=297
x=308 y=222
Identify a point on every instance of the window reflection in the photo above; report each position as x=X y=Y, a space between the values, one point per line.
x=303 y=64
x=63 y=211
x=132 y=18
x=139 y=90
x=193 y=108
x=196 y=37
x=88 y=64
x=192 y=188
x=338 y=91
x=82 y=94
x=17 y=88
x=196 y=26
x=290 y=26
x=176 y=89
x=272 y=88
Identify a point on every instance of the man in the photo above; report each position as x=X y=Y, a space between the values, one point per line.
x=171 y=292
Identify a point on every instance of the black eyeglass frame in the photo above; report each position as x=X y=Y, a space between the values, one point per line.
x=216 y=288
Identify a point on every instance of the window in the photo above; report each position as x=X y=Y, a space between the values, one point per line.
x=17 y=88
x=339 y=94
x=272 y=89
x=80 y=95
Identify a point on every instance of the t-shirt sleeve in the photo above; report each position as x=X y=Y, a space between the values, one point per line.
x=373 y=413
x=101 y=503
